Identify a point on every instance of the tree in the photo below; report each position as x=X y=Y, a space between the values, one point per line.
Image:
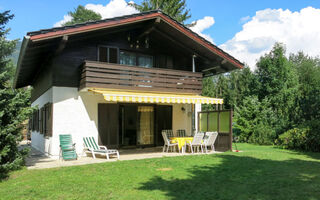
x=81 y=14
x=232 y=87
x=278 y=81
x=308 y=69
x=174 y=8
x=255 y=121
x=14 y=105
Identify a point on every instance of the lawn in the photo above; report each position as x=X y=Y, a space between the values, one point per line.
x=259 y=172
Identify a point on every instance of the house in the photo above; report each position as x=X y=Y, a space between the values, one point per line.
x=121 y=80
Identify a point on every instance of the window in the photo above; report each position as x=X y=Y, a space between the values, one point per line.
x=34 y=121
x=135 y=59
x=108 y=54
x=41 y=120
x=127 y=58
x=145 y=61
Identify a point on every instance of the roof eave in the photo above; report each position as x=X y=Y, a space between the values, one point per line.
x=24 y=45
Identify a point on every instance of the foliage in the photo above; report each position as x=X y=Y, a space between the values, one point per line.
x=174 y=8
x=232 y=87
x=14 y=106
x=306 y=137
x=278 y=81
x=81 y=14
x=255 y=173
x=309 y=86
x=287 y=89
x=255 y=120
x=294 y=138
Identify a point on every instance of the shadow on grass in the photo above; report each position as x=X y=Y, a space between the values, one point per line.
x=244 y=178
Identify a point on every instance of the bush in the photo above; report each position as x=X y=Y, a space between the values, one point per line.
x=294 y=138
x=263 y=134
x=306 y=137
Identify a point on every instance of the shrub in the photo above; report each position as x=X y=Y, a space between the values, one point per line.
x=306 y=137
x=294 y=138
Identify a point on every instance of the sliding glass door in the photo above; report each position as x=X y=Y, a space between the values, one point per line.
x=136 y=125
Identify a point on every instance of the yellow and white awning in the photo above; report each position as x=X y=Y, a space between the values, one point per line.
x=136 y=97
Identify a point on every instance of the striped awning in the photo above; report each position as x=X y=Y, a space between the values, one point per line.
x=134 y=97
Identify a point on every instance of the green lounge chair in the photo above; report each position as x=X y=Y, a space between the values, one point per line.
x=91 y=146
x=67 y=148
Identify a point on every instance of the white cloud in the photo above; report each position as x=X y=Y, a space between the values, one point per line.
x=203 y=24
x=244 y=19
x=299 y=31
x=66 y=18
x=114 y=8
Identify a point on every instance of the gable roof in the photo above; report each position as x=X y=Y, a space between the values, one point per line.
x=46 y=35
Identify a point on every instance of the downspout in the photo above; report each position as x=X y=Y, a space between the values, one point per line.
x=24 y=46
x=193 y=63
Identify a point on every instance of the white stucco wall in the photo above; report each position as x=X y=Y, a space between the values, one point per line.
x=76 y=113
x=181 y=119
x=38 y=141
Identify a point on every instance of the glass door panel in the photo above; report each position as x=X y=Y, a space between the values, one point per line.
x=145 y=133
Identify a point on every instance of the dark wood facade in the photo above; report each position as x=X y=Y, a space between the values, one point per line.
x=65 y=69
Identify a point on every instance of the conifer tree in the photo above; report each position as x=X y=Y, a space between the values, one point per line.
x=14 y=105
x=174 y=8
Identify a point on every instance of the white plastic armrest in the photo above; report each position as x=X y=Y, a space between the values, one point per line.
x=103 y=147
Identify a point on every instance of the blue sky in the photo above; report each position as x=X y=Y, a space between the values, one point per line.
x=227 y=14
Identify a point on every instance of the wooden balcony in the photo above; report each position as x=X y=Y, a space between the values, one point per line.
x=122 y=77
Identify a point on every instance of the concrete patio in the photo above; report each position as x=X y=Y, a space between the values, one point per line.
x=37 y=160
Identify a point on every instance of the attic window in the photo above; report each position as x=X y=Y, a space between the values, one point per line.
x=108 y=54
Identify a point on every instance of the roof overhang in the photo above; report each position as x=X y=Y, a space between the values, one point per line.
x=39 y=43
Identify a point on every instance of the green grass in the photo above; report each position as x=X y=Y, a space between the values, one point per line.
x=260 y=172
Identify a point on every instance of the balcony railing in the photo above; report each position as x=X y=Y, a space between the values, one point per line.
x=114 y=76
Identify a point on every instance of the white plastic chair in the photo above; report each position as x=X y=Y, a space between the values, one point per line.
x=181 y=133
x=212 y=136
x=196 y=142
x=167 y=142
x=169 y=133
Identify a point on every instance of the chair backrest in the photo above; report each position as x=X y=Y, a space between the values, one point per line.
x=212 y=136
x=181 y=133
x=197 y=138
x=165 y=137
x=169 y=133
x=65 y=141
x=90 y=143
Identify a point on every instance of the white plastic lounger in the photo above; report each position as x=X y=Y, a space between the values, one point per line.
x=92 y=147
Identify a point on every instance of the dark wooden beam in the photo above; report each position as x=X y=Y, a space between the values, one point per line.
x=61 y=45
x=189 y=50
x=149 y=28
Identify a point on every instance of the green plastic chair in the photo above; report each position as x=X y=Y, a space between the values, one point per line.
x=67 y=148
